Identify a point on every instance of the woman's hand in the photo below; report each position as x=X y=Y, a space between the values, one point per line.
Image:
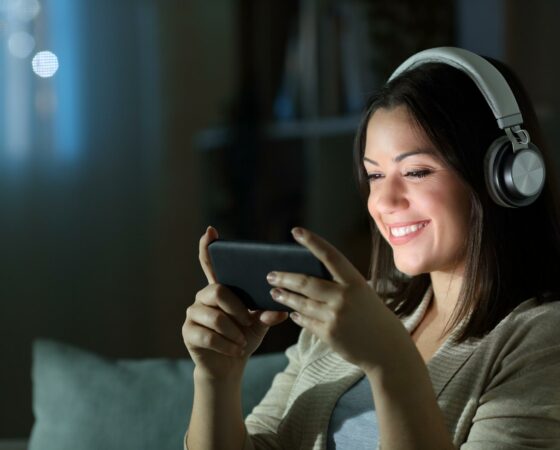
x=345 y=313
x=219 y=332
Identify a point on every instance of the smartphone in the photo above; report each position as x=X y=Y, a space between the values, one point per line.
x=243 y=266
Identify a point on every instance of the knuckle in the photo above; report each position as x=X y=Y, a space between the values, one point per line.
x=204 y=293
x=308 y=308
x=220 y=290
x=303 y=282
x=217 y=320
x=185 y=331
x=338 y=305
x=190 y=336
x=332 y=322
x=207 y=339
x=188 y=312
x=341 y=297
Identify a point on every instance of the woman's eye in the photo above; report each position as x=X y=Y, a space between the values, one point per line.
x=420 y=173
x=374 y=177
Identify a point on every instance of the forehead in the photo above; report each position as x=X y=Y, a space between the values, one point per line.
x=393 y=131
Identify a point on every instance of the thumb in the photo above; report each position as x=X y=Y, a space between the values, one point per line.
x=263 y=320
x=271 y=318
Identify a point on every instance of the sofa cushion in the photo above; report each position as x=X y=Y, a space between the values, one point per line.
x=82 y=401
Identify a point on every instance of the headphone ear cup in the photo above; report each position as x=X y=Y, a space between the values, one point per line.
x=513 y=179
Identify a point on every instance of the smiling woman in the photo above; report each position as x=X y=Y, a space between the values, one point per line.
x=417 y=202
x=453 y=341
x=439 y=108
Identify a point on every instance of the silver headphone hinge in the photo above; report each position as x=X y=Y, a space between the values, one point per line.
x=518 y=137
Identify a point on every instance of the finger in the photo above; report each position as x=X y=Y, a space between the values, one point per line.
x=342 y=270
x=210 y=235
x=309 y=307
x=271 y=318
x=305 y=322
x=217 y=321
x=218 y=295
x=306 y=285
x=199 y=337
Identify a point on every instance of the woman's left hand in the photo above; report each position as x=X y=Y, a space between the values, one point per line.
x=345 y=313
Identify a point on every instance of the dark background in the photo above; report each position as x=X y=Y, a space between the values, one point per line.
x=168 y=116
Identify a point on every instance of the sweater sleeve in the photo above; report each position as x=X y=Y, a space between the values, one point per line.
x=520 y=407
x=263 y=422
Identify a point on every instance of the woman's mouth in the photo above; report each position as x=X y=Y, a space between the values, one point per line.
x=402 y=233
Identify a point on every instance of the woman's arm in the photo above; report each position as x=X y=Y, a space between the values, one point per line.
x=261 y=431
x=220 y=335
x=216 y=419
x=408 y=414
x=520 y=406
x=348 y=316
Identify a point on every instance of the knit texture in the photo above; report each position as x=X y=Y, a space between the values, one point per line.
x=500 y=392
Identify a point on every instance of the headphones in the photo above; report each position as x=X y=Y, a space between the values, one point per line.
x=514 y=167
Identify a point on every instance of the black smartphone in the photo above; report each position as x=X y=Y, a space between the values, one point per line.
x=243 y=266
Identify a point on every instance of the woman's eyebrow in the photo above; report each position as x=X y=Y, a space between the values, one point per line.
x=402 y=156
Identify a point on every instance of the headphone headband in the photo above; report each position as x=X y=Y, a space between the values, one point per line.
x=513 y=167
x=489 y=80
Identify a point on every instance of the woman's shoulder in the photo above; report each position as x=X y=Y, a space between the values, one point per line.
x=533 y=309
x=532 y=322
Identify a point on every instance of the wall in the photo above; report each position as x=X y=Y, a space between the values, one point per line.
x=99 y=222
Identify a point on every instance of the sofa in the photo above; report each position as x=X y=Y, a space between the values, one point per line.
x=83 y=401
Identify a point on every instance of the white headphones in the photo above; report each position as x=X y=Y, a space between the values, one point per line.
x=514 y=167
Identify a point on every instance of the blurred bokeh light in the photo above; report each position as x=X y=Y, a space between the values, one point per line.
x=21 y=44
x=45 y=64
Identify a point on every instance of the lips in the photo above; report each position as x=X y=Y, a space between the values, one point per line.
x=401 y=233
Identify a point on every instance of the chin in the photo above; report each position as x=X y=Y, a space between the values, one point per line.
x=411 y=272
x=410 y=269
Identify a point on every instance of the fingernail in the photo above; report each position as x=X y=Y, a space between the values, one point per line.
x=276 y=294
x=297 y=233
x=271 y=277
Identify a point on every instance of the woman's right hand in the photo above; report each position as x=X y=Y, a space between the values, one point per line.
x=219 y=332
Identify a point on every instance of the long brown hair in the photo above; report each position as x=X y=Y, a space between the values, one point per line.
x=511 y=254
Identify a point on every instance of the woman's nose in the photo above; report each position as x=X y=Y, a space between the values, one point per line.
x=388 y=196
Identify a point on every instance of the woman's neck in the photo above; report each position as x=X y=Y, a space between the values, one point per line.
x=446 y=286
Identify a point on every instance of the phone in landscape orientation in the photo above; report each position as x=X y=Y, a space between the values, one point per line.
x=243 y=266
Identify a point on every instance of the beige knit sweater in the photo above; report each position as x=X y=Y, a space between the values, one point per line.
x=501 y=392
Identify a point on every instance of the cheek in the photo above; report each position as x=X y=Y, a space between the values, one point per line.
x=374 y=214
x=370 y=207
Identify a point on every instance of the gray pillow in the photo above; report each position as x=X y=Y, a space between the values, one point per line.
x=82 y=401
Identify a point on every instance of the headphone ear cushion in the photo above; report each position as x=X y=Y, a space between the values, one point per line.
x=513 y=179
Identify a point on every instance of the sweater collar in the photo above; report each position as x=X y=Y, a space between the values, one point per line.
x=443 y=365
x=449 y=358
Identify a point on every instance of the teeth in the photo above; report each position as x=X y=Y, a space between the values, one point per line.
x=403 y=231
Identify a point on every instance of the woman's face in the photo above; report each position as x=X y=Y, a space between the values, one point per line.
x=420 y=205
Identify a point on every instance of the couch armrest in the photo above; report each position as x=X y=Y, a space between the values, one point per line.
x=13 y=444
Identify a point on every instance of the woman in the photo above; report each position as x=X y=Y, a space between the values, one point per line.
x=453 y=344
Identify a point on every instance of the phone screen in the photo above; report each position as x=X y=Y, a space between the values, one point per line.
x=243 y=266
